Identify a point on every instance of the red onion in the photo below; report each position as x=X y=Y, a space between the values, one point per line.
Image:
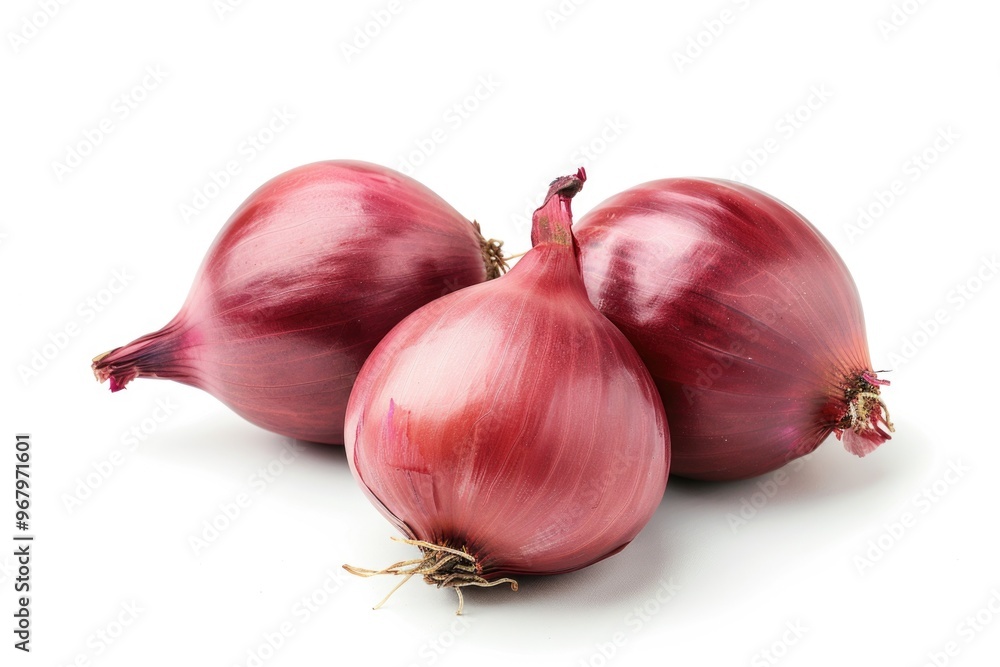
x=311 y=271
x=510 y=428
x=746 y=317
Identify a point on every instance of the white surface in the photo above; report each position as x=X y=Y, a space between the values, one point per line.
x=609 y=67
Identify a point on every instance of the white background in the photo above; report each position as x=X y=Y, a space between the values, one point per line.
x=826 y=553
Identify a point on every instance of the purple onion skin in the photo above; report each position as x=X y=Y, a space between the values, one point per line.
x=511 y=420
x=746 y=317
x=306 y=277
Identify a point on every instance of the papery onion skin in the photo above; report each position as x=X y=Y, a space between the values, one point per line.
x=511 y=420
x=306 y=277
x=745 y=315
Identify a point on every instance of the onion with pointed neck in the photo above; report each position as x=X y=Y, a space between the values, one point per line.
x=308 y=275
x=510 y=428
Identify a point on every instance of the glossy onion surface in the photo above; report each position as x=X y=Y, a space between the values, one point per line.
x=306 y=277
x=512 y=421
x=746 y=317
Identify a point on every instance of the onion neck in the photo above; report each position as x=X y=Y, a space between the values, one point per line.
x=154 y=355
x=861 y=425
x=553 y=221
